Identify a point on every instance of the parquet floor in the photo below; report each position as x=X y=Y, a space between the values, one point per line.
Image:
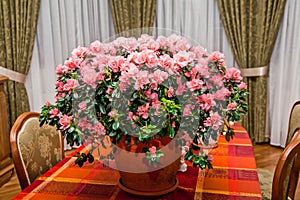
x=266 y=157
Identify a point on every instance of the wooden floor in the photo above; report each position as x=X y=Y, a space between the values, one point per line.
x=266 y=158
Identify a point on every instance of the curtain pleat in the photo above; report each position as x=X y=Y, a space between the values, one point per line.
x=251 y=27
x=133 y=17
x=18 y=21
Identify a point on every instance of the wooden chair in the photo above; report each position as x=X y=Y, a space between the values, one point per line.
x=34 y=149
x=294 y=122
x=287 y=171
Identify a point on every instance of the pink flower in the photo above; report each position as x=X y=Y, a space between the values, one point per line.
x=183 y=44
x=109 y=90
x=99 y=129
x=182 y=58
x=112 y=113
x=187 y=109
x=170 y=92
x=131 y=116
x=216 y=55
x=153 y=96
x=222 y=94
x=162 y=41
x=156 y=105
x=65 y=122
x=167 y=63
x=96 y=47
x=194 y=84
x=152 y=60
x=181 y=88
x=54 y=113
x=233 y=74
x=214 y=121
x=242 y=86
x=143 y=111
x=61 y=69
x=89 y=76
x=70 y=84
x=158 y=76
x=141 y=80
x=71 y=64
x=152 y=151
x=80 y=52
x=206 y=101
x=140 y=58
x=48 y=103
x=82 y=106
x=217 y=80
x=231 y=106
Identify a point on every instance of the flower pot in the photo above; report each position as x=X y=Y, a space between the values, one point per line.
x=152 y=183
x=138 y=177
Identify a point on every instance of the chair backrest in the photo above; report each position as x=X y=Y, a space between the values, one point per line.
x=34 y=149
x=294 y=121
x=287 y=171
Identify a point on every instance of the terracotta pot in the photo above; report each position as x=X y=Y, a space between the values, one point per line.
x=140 y=178
x=152 y=183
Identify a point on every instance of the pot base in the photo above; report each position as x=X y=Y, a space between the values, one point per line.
x=146 y=193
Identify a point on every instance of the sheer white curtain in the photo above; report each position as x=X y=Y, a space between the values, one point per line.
x=284 y=84
x=62 y=26
x=198 y=20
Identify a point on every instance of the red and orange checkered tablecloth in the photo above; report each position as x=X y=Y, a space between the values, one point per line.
x=234 y=177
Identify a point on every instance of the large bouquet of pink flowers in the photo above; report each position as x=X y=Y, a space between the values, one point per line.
x=146 y=88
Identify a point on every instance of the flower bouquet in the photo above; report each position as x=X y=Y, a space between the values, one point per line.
x=135 y=91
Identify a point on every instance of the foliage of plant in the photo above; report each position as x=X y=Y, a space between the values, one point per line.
x=146 y=88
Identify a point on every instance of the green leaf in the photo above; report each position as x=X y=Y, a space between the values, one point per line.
x=115 y=125
x=111 y=134
x=102 y=109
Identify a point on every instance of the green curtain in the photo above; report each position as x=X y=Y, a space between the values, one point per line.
x=18 y=21
x=133 y=17
x=251 y=27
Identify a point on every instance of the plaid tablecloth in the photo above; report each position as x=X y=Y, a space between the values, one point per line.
x=234 y=177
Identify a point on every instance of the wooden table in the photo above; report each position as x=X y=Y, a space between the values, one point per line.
x=234 y=177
